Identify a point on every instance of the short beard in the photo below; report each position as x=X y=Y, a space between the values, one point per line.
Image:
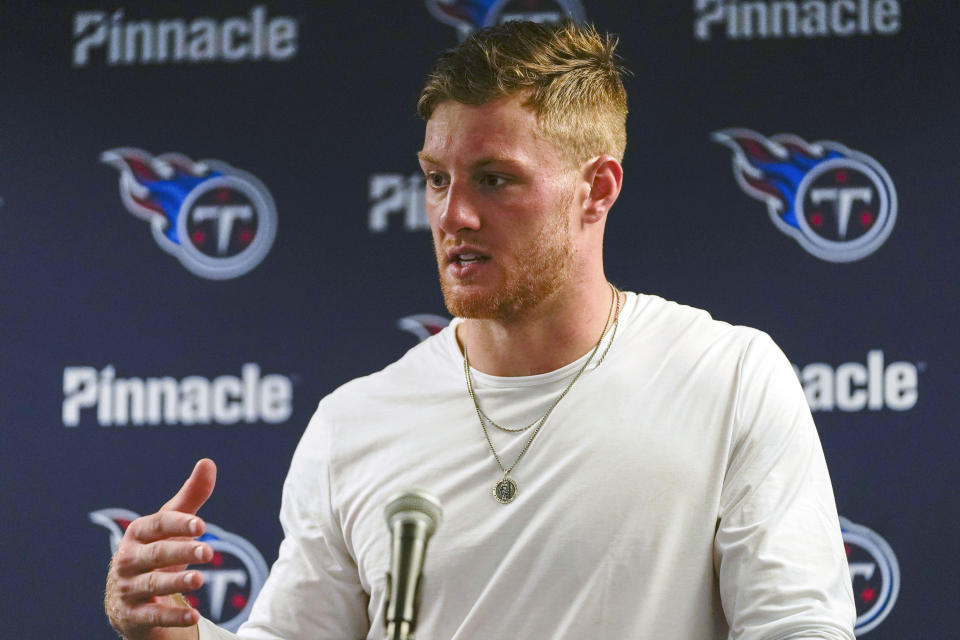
x=537 y=275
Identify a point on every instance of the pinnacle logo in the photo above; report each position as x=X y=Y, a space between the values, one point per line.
x=838 y=204
x=194 y=400
x=399 y=197
x=124 y=42
x=219 y=221
x=469 y=15
x=231 y=581
x=874 y=572
x=771 y=19
x=855 y=386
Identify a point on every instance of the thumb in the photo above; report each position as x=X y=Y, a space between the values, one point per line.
x=196 y=490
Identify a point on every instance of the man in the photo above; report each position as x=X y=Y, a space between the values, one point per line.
x=611 y=465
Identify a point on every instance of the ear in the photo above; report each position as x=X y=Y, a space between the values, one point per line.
x=605 y=177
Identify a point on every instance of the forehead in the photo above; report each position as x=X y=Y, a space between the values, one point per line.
x=458 y=132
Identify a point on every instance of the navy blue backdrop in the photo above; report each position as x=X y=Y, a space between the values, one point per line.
x=210 y=217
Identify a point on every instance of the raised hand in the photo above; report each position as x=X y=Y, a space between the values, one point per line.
x=149 y=565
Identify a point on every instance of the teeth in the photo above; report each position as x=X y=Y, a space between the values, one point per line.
x=468 y=257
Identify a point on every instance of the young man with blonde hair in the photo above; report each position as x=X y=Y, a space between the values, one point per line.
x=611 y=465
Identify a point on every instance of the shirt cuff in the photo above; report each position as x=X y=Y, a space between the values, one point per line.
x=210 y=631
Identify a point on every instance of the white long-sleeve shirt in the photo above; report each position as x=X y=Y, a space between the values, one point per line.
x=678 y=491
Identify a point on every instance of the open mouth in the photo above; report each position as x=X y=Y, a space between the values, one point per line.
x=465 y=256
x=468 y=258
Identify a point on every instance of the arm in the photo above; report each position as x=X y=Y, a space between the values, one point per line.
x=148 y=567
x=778 y=550
x=313 y=590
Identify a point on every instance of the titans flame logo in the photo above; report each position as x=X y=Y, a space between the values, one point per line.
x=423 y=325
x=838 y=204
x=874 y=572
x=219 y=222
x=469 y=15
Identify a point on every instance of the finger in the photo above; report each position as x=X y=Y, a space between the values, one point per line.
x=164 y=525
x=133 y=560
x=150 y=614
x=156 y=583
x=195 y=490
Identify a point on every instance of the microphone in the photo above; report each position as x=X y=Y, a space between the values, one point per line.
x=412 y=517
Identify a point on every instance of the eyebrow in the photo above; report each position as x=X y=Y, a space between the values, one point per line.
x=423 y=156
x=426 y=157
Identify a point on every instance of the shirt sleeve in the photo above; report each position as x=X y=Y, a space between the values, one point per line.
x=313 y=591
x=778 y=549
x=210 y=631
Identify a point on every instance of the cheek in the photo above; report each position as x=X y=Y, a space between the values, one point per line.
x=437 y=241
x=532 y=213
x=433 y=208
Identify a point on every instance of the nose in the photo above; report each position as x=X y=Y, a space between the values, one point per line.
x=460 y=211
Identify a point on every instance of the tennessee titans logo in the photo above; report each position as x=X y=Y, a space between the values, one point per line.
x=839 y=204
x=219 y=222
x=423 y=325
x=874 y=572
x=231 y=581
x=469 y=15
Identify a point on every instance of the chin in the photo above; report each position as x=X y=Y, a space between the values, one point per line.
x=470 y=304
x=502 y=303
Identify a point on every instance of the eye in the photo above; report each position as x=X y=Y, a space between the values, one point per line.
x=436 y=180
x=492 y=180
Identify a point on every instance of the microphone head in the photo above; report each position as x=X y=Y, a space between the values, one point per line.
x=414 y=503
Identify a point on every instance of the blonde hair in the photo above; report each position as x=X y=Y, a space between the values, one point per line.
x=571 y=72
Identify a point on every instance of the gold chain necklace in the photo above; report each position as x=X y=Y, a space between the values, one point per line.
x=505 y=490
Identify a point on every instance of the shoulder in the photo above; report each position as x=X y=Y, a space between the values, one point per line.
x=367 y=413
x=683 y=331
x=684 y=350
x=427 y=368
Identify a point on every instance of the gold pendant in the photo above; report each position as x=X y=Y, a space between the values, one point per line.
x=505 y=490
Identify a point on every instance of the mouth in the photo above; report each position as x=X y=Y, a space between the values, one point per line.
x=465 y=256
x=468 y=258
x=465 y=262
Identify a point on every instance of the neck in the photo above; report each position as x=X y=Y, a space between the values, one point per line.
x=553 y=334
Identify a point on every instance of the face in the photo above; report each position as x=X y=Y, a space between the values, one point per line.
x=499 y=200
